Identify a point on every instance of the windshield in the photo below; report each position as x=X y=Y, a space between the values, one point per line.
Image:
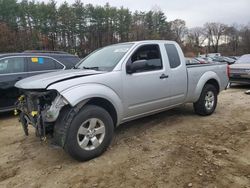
x=105 y=59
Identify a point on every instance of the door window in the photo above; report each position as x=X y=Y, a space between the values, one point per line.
x=41 y=64
x=151 y=55
x=173 y=56
x=12 y=65
x=58 y=65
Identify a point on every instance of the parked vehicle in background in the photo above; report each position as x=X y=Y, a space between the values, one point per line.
x=191 y=61
x=208 y=59
x=240 y=70
x=224 y=59
x=118 y=83
x=16 y=66
x=211 y=55
x=234 y=57
x=201 y=60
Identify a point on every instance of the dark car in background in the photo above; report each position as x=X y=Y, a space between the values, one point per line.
x=223 y=59
x=16 y=66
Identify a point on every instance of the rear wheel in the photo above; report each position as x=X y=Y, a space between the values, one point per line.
x=207 y=101
x=90 y=133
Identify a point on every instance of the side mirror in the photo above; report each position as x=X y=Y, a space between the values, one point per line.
x=135 y=66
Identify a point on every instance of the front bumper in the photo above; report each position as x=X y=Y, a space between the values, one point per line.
x=41 y=110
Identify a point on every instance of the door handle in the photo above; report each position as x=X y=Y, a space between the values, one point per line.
x=163 y=76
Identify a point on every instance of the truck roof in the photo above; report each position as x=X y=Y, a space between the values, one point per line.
x=150 y=41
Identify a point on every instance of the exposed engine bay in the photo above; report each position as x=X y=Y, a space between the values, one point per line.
x=39 y=108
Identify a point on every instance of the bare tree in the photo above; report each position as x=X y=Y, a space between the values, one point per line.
x=196 y=36
x=232 y=36
x=245 y=39
x=214 y=32
x=179 y=30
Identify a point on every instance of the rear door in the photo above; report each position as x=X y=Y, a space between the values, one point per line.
x=177 y=74
x=146 y=90
x=12 y=69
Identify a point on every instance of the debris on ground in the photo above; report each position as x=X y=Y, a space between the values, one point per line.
x=175 y=148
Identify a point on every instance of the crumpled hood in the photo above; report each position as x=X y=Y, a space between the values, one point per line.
x=42 y=81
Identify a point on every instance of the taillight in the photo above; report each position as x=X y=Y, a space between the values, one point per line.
x=228 y=71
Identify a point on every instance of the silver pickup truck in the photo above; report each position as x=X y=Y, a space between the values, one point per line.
x=81 y=107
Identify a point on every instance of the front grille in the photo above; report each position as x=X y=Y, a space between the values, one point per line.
x=38 y=100
x=32 y=103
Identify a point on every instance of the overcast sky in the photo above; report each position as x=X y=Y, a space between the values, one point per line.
x=194 y=12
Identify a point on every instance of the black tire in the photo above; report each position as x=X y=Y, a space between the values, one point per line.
x=71 y=145
x=200 y=106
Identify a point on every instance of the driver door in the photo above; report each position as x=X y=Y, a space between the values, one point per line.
x=147 y=89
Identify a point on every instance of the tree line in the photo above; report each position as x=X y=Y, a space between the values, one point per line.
x=81 y=28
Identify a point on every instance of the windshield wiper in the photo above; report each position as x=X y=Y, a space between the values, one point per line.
x=91 y=68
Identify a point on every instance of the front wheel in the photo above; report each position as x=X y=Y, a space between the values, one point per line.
x=207 y=101
x=90 y=133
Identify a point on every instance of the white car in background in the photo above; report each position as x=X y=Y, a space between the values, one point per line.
x=240 y=70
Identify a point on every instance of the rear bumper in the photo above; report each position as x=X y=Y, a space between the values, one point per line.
x=240 y=80
x=239 y=77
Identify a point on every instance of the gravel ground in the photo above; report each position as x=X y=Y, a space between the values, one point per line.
x=172 y=149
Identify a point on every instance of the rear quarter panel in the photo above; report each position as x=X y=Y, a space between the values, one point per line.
x=199 y=75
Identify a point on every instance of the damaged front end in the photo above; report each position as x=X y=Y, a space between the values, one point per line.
x=39 y=108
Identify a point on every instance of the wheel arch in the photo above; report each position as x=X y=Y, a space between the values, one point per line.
x=209 y=77
x=105 y=104
x=68 y=113
x=96 y=94
x=215 y=83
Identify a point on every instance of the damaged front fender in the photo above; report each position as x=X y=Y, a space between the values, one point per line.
x=84 y=92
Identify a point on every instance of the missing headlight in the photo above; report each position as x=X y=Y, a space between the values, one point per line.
x=52 y=113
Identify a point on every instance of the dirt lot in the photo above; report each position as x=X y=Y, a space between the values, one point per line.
x=170 y=149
